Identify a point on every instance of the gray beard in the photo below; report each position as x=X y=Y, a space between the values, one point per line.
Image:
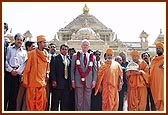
x=109 y=59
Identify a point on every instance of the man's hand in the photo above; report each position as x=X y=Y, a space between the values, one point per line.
x=47 y=77
x=14 y=73
x=128 y=73
x=141 y=72
x=73 y=85
x=100 y=89
x=54 y=84
x=93 y=84
x=161 y=66
x=24 y=85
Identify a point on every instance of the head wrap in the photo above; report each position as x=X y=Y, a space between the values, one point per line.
x=41 y=38
x=159 y=45
x=109 y=51
x=135 y=53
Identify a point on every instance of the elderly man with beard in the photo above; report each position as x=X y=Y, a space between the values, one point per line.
x=137 y=83
x=108 y=81
x=157 y=77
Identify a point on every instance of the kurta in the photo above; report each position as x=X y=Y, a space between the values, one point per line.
x=108 y=79
x=157 y=82
x=137 y=88
x=34 y=77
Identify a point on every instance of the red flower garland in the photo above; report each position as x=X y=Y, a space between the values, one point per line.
x=84 y=74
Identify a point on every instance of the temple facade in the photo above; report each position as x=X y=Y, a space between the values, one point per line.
x=87 y=26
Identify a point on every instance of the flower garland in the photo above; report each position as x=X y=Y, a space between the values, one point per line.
x=84 y=74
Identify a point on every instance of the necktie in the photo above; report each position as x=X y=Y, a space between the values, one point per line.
x=85 y=60
x=97 y=65
x=52 y=57
x=65 y=69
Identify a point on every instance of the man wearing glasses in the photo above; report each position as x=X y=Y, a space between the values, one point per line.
x=96 y=101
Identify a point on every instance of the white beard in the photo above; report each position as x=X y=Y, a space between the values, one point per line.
x=109 y=59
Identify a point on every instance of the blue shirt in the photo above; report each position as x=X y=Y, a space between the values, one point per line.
x=125 y=85
x=15 y=58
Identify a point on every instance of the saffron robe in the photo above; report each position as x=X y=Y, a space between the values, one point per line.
x=157 y=82
x=34 y=78
x=108 y=79
x=137 y=87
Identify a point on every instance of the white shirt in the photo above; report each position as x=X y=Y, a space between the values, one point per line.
x=15 y=58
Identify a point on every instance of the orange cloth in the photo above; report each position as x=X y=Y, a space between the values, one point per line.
x=109 y=51
x=135 y=53
x=34 y=77
x=137 y=87
x=159 y=45
x=108 y=77
x=157 y=81
x=36 y=98
x=41 y=38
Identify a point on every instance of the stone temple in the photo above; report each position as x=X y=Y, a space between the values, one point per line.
x=87 y=26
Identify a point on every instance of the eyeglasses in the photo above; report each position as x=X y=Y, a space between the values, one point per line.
x=97 y=54
x=53 y=47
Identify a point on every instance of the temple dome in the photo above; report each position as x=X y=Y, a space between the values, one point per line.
x=86 y=31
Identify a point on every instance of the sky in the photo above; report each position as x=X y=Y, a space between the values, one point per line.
x=126 y=19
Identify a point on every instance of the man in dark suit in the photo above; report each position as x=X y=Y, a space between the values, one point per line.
x=60 y=75
x=96 y=100
x=52 y=54
x=123 y=93
x=71 y=52
x=83 y=76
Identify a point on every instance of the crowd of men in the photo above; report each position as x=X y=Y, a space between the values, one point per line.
x=38 y=79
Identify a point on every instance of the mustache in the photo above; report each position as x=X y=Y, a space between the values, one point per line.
x=19 y=42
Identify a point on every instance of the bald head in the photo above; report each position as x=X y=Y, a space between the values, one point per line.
x=118 y=59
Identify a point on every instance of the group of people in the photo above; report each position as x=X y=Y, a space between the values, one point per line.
x=37 y=79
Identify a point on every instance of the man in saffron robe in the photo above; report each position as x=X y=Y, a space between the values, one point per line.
x=35 y=76
x=108 y=81
x=137 y=84
x=21 y=96
x=157 y=77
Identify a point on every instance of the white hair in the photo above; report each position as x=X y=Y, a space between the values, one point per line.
x=85 y=40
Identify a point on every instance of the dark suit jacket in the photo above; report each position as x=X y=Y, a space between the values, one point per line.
x=57 y=72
